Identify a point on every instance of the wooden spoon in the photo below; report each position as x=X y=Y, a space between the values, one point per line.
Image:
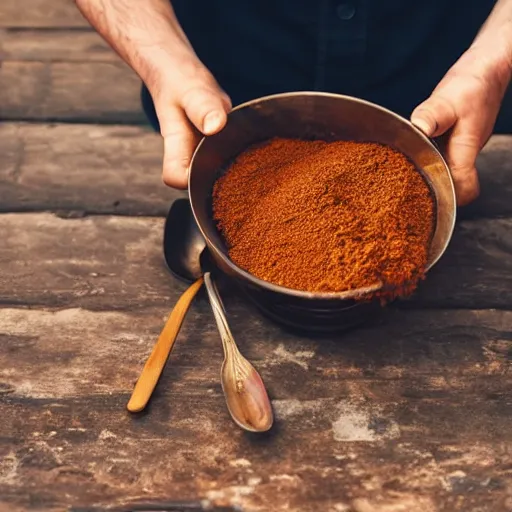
x=155 y=364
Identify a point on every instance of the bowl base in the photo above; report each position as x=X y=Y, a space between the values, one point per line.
x=318 y=319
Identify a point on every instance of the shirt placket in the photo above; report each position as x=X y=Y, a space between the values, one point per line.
x=342 y=40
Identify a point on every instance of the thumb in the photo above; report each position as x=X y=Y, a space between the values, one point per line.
x=199 y=106
x=434 y=116
x=206 y=105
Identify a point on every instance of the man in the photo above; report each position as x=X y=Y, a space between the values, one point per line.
x=445 y=63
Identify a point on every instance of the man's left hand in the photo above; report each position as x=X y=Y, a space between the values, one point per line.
x=465 y=103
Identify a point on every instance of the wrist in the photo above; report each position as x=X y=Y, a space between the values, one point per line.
x=159 y=65
x=492 y=60
x=493 y=48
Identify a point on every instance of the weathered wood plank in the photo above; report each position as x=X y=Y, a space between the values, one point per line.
x=494 y=165
x=99 y=258
x=117 y=262
x=40 y=14
x=411 y=415
x=476 y=270
x=71 y=91
x=54 y=45
x=113 y=169
x=102 y=352
x=98 y=169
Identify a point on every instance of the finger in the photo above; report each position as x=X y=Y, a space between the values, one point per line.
x=180 y=140
x=434 y=116
x=461 y=157
x=206 y=106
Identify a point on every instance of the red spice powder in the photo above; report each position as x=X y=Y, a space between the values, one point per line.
x=326 y=216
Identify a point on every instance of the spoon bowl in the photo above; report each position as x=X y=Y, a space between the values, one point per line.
x=246 y=396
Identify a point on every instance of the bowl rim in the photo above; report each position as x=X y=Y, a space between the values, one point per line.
x=347 y=294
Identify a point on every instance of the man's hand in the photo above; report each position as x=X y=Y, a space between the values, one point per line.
x=466 y=102
x=188 y=100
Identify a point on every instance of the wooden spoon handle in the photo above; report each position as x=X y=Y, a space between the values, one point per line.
x=155 y=364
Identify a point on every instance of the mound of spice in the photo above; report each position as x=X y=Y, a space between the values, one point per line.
x=326 y=216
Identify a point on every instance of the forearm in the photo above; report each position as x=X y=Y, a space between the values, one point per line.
x=146 y=34
x=495 y=36
x=187 y=98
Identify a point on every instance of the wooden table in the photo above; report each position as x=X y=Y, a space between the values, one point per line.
x=411 y=415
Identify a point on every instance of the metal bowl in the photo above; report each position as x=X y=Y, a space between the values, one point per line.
x=313 y=115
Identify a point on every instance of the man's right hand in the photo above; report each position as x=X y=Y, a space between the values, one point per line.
x=188 y=100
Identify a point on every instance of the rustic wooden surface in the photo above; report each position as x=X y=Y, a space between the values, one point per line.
x=414 y=413
x=103 y=262
x=55 y=45
x=101 y=169
x=117 y=169
x=40 y=14
x=410 y=415
x=69 y=91
x=55 y=67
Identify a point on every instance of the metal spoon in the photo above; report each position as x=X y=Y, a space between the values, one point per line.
x=186 y=258
x=245 y=393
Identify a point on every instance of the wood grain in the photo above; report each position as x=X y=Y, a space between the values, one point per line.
x=476 y=270
x=413 y=413
x=72 y=91
x=117 y=169
x=54 y=45
x=117 y=263
x=90 y=168
x=495 y=171
x=40 y=14
x=94 y=259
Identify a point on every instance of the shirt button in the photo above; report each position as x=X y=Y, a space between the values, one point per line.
x=345 y=11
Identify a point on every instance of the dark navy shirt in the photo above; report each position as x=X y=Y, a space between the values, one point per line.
x=391 y=52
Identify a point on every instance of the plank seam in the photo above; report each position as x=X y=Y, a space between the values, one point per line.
x=64 y=61
x=134 y=118
x=21 y=29
x=65 y=212
x=53 y=308
x=72 y=213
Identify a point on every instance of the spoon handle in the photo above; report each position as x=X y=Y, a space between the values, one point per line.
x=155 y=364
x=219 y=312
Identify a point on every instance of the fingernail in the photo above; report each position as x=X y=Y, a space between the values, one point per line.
x=212 y=122
x=423 y=125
